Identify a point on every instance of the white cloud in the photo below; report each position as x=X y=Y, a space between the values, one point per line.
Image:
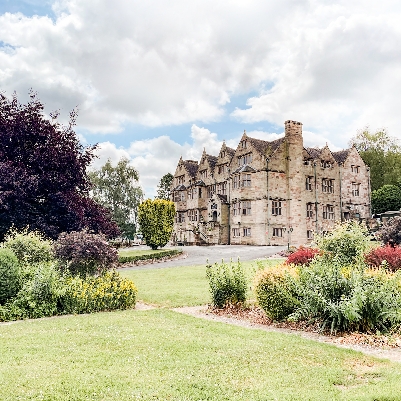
x=335 y=66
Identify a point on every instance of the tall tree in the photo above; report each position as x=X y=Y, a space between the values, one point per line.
x=382 y=153
x=156 y=219
x=164 y=187
x=117 y=189
x=43 y=180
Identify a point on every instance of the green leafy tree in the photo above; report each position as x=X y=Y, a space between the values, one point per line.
x=163 y=189
x=386 y=198
x=382 y=153
x=156 y=220
x=117 y=189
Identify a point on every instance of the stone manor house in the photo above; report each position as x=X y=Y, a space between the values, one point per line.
x=268 y=192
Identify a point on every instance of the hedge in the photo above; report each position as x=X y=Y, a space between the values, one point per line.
x=150 y=256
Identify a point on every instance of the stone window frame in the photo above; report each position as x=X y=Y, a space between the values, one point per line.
x=203 y=174
x=328 y=212
x=236 y=208
x=309 y=209
x=179 y=196
x=245 y=159
x=246 y=232
x=246 y=180
x=236 y=181
x=180 y=179
x=246 y=208
x=192 y=215
x=355 y=169
x=211 y=190
x=328 y=185
x=180 y=217
x=309 y=234
x=278 y=232
x=236 y=232
x=192 y=193
x=222 y=188
x=325 y=164
x=276 y=207
x=356 y=189
x=308 y=183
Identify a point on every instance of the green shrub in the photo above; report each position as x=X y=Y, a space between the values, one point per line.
x=39 y=295
x=29 y=247
x=84 y=253
x=9 y=275
x=156 y=255
x=275 y=291
x=227 y=283
x=346 y=244
x=108 y=291
x=348 y=298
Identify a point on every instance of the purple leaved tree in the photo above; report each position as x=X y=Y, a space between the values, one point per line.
x=43 y=180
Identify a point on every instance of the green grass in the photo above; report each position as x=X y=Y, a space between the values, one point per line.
x=163 y=355
x=177 y=286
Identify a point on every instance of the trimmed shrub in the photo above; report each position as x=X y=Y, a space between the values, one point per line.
x=275 y=291
x=346 y=244
x=108 y=291
x=9 y=275
x=302 y=256
x=386 y=256
x=227 y=283
x=29 y=247
x=149 y=256
x=84 y=253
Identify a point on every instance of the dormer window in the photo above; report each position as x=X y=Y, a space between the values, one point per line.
x=325 y=164
x=245 y=159
x=203 y=174
x=354 y=169
x=222 y=154
x=243 y=144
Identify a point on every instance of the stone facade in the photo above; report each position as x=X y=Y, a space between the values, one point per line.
x=268 y=193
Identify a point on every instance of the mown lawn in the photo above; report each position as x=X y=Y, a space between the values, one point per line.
x=178 y=286
x=163 y=355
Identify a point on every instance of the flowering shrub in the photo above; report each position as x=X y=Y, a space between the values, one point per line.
x=275 y=291
x=302 y=256
x=108 y=291
x=386 y=255
x=84 y=253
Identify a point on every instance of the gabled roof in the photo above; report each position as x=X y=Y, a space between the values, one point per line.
x=341 y=155
x=266 y=148
x=191 y=166
x=244 y=169
x=212 y=161
x=314 y=153
x=180 y=188
x=230 y=151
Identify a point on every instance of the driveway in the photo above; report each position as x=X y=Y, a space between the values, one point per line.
x=198 y=255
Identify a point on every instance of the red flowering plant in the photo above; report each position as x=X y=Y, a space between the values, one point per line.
x=388 y=255
x=302 y=256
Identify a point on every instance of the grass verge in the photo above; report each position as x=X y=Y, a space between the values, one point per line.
x=163 y=355
x=127 y=256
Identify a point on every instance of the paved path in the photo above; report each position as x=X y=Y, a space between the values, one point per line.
x=198 y=255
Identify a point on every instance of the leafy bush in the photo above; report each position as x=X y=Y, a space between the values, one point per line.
x=39 y=295
x=346 y=244
x=29 y=246
x=9 y=275
x=84 y=253
x=156 y=219
x=387 y=256
x=108 y=291
x=302 y=256
x=156 y=255
x=347 y=298
x=227 y=283
x=275 y=291
x=390 y=233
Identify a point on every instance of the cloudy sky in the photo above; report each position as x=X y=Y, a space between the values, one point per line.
x=154 y=80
